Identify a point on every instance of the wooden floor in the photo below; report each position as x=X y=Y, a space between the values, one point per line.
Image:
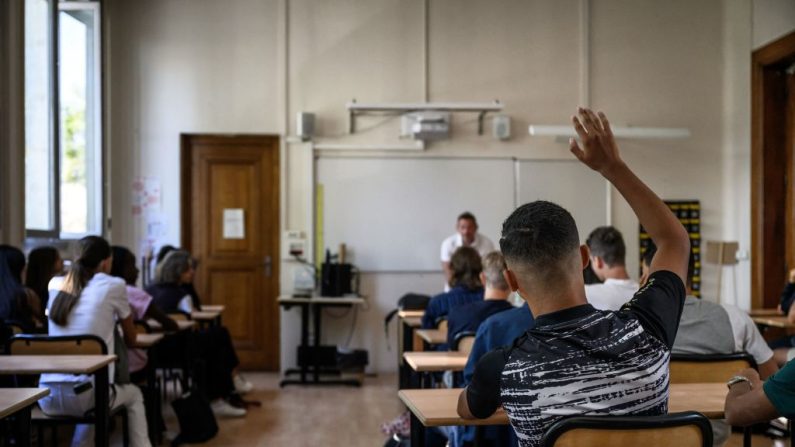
x=304 y=416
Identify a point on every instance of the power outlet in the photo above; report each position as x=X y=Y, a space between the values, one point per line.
x=293 y=245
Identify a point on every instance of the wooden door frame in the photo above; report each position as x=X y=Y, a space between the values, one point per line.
x=186 y=207
x=767 y=133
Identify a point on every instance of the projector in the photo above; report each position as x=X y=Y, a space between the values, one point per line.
x=426 y=126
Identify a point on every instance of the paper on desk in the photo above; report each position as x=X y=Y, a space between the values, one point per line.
x=234 y=225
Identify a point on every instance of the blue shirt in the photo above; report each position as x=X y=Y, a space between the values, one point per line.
x=498 y=330
x=467 y=318
x=440 y=305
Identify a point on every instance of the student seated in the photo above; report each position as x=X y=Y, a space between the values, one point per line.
x=785 y=347
x=495 y=299
x=90 y=302
x=751 y=401
x=43 y=264
x=579 y=360
x=171 y=293
x=18 y=304
x=465 y=286
x=710 y=328
x=608 y=254
x=141 y=305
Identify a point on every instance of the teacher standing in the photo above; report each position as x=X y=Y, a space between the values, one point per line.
x=466 y=236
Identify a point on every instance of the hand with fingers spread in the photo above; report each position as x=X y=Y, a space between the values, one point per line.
x=599 y=150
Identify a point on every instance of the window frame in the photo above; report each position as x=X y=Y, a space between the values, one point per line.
x=97 y=207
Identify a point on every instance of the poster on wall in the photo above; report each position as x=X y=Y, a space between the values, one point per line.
x=689 y=214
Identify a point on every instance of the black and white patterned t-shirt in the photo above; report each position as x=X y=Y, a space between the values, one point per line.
x=584 y=361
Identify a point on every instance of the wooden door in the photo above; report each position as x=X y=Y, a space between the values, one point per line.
x=772 y=169
x=230 y=223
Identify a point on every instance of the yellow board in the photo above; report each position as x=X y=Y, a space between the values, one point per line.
x=319 y=226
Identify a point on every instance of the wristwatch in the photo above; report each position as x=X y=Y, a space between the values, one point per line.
x=737 y=379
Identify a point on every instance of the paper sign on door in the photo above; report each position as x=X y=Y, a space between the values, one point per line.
x=234 y=224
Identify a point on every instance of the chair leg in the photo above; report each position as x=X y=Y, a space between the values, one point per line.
x=54 y=436
x=747 y=437
x=125 y=428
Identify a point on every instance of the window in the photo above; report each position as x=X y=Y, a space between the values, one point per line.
x=63 y=119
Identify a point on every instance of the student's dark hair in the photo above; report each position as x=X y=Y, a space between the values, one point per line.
x=466 y=267
x=41 y=269
x=163 y=252
x=608 y=244
x=540 y=235
x=121 y=258
x=468 y=216
x=12 y=292
x=589 y=276
x=92 y=250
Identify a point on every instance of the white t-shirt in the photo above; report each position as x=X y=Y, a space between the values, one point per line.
x=102 y=302
x=611 y=294
x=481 y=243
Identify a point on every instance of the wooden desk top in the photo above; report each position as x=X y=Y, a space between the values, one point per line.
x=145 y=341
x=764 y=313
x=40 y=364
x=205 y=315
x=779 y=321
x=213 y=308
x=436 y=361
x=15 y=399
x=183 y=325
x=412 y=321
x=432 y=336
x=410 y=313
x=289 y=299
x=437 y=407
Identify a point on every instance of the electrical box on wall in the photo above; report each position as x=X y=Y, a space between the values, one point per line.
x=425 y=126
x=293 y=245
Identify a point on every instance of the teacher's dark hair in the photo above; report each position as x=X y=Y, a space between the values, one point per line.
x=92 y=251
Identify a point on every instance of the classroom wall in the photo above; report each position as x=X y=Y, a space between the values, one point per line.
x=649 y=64
x=771 y=20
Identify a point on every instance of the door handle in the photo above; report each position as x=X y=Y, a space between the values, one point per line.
x=268 y=266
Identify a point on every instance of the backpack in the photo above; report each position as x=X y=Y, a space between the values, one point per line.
x=409 y=301
x=196 y=419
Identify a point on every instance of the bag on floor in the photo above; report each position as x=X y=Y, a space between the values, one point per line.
x=196 y=419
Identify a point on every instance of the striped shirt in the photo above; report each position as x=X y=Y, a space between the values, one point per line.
x=581 y=361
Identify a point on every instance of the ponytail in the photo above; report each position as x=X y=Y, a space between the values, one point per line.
x=93 y=250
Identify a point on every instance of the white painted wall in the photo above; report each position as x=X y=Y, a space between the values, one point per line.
x=772 y=19
x=206 y=66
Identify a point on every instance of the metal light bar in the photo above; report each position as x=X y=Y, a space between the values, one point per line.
x=618 y=132
x=442 y=106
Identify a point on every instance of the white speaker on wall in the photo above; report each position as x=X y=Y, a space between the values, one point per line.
x=305 y=125
x=501 y=127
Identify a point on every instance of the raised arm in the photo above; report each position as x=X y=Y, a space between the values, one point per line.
x=600 y=153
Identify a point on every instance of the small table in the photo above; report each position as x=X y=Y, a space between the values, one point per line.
x=426 y=362
x=439 y=407
x=314 y=306
x=146 y=341
x=213 y=307
x=411 y=313
x=18 y=401
x=779 y=321
x=206 y=317
x=97 y=365
x=155 y=326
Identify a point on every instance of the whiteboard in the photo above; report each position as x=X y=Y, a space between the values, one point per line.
x=394 y=213
x=582 y=191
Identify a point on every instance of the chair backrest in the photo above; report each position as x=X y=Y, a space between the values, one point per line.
x=712 y=368
x=683 y=429
x=463 y=341
x=56 y=345
x=441 y=323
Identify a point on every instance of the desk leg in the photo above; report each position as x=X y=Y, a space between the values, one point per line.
x=152 y=399
x=101 y=406
x=316 y=314
x=304 y=337
x=417 y=432
x=21 y=427
x=408 y=341
x=479 y=438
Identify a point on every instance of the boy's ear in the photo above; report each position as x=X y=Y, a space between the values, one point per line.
x=510 y=278
x=585 y=254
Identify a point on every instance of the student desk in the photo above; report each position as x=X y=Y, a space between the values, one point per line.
x=439 y=407
x=183 y=325
x=153 y=410
x=432 y=337
x=213 y=308
x=408 y=321
x=18 y=401
x=314 y=306
x=432 y=361
x=779 y=321
x=764 y=313
x=206 y=317
x=97 y=365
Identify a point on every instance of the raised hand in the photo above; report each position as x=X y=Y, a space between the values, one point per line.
x=599 y=150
